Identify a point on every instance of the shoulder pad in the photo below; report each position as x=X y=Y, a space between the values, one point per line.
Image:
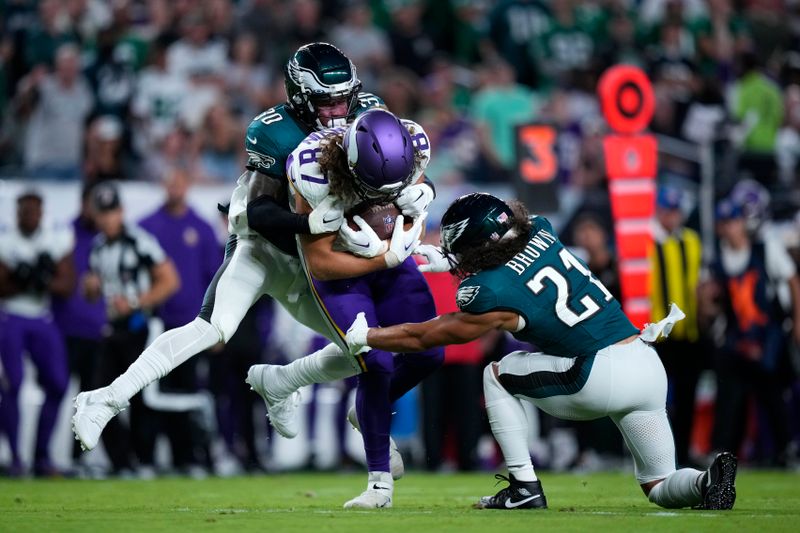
x=270 y=138
x=369 y=101
x=304 y=173
x=475 y=297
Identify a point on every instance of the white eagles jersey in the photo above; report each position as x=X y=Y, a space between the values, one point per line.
x=16 y=248
x=308 y=180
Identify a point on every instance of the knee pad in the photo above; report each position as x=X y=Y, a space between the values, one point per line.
x=491 y=385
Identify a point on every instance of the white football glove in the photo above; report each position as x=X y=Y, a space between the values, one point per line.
x=415 y=199
x=327 y=217
x=438 y=261
x=363 y=243
x=356 y=337
x=404 y=242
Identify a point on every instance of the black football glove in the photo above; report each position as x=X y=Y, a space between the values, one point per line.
x=23 y=275
x=44 y=272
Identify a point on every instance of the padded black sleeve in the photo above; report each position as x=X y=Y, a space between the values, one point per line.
x=267 y=217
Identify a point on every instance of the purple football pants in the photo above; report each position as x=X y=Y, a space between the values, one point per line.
x=387 y=297
x=40 y=338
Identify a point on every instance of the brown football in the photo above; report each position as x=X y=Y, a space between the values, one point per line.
x=379 y=217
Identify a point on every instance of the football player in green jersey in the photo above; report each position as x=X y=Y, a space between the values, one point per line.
x=261 y=255
x=518 y=277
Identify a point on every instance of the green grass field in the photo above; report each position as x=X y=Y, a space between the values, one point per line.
x=312 y=502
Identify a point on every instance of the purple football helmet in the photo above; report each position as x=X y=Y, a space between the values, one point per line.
x=380 y=155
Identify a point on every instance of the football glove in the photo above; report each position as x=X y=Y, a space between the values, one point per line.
x=415 y=199
x=404 y=242
x=438 y=261
x=23 y=275
x=327 y=217
x=356 y=337
x=363 y=242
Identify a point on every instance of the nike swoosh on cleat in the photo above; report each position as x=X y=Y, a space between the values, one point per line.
x=511 y=505
x=253 y=140
x=375 y=486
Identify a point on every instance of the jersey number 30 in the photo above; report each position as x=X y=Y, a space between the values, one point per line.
x=562 y=309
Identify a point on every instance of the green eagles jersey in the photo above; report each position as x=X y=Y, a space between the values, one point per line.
x=273 y=135
x=567 y=311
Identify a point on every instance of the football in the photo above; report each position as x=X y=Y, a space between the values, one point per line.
x=379 y=217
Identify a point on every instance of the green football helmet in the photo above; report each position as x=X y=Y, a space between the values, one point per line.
x=320 y=76
x=474 y=219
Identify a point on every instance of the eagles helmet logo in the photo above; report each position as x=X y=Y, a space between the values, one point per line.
x=451 y=232
x=466 y=295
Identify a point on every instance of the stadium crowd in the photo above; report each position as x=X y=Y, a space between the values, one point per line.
x=162 y=91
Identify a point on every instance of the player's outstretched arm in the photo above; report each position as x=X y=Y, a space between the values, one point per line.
x=452 y=328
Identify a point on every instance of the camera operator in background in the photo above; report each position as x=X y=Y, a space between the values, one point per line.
x=131 y=272
x=35 y=263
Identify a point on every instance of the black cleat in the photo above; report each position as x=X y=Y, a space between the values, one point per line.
x=518 y=495
x=718 y=484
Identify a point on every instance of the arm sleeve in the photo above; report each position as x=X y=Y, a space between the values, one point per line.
x=475 y=297
x=265 y=216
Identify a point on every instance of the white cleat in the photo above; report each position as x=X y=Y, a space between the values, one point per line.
x=280 y=410
x=93 y=410
x=396 y=465
x=380 y=489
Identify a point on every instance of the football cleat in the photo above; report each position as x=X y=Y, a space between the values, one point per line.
x=380 y=489
x=518 y=495
x=396 y=465
x=718 y=483
x=280 y=410
x=93 y=410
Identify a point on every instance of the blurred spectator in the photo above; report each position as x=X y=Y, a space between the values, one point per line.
x=246 y=79
x=113 y=78
x=758 y=104
x=190 y=242
x=787 y=142
x=400 y=91
x=499 y=106
x=566 y=45
x=513 y=26
x=104 y=157
x=366 y=45
x=306 y=25
x=268 y=21
x=720 y=35
x=590 y=235
x=131 y=273
x=158 y=102
x=675 y=276
x=57 y=106
x=752 y=359
x=48 y=33
x=35 y=263
x=81 y=322
x=412 y=46
x=178 y=149
x=221 y=147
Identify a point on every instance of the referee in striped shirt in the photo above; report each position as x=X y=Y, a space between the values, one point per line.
x=133 y=275
x=676 y=262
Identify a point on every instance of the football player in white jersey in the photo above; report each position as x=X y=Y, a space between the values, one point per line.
x=35 y=262
x=371 y=162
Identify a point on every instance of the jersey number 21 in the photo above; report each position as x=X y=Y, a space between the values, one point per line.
x=562 y=309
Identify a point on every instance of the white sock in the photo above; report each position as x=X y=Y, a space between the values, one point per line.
x=679 y=489
x=384 y=478
x=169 y=350
x=509 y=426
x=322 y=366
